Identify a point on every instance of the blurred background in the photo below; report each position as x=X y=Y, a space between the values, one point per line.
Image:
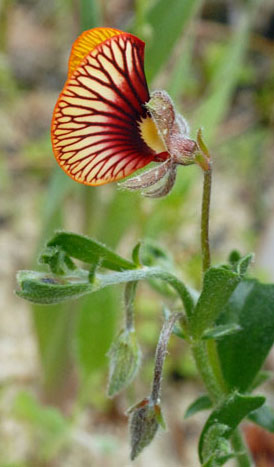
x=216 y=59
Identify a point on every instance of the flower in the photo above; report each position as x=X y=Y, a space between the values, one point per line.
x=105 y=124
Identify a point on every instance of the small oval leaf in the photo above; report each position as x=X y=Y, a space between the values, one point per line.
x=89 y=250
x=218 y=332
x=202 y=403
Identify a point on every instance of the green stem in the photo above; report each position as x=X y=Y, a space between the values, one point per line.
x=205 y=353
x=214 y=362
x=205 y=219
x=145 y=273
x=129 y=295
x=238 y=444
x=206 y=371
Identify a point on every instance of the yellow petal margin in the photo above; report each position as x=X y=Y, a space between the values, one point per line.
x=86 y=42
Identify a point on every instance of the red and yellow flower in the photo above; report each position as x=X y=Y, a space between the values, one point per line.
x=106 y=125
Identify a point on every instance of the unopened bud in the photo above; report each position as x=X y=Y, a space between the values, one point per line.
x=144 y=423
x=57 y=260
x=125 y=357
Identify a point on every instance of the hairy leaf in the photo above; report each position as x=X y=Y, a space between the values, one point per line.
x=202 y=403
x=48 y=289
x=241 y=355
x=218 y=332
x=88 y=250
x=227 y=415
x=45 y=288
x=219 y=283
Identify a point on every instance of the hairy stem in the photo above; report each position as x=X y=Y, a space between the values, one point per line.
x=238 y=444
x=206 y=357
x=160 y=355
x=205 y=219
x=130 y=290
x=214 y=362
x=212 y=385
x=205 y=353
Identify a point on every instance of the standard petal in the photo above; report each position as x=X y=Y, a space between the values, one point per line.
x=96 y=126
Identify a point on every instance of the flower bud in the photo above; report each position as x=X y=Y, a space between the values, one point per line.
x=125 y=357
x=144 y=423
x=57 y=260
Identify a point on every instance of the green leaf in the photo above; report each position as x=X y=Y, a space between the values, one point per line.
x=227 y=415
x=44 y=288
x=219 y=284
x=218 y=332
x=48 y=289
x=264 y=417
x=177 y=328
x=202 y=403
x=153 y=254
x=234 y=257
x=57 y=260
x=241 y=355
x=240 y=263
x=92 y=271
x=136 y=254
x=88 y=250
x=168 y=20
x=159 y=417
x=178 y=331
x=216 y=447
x=213 y=462
x=244 y=263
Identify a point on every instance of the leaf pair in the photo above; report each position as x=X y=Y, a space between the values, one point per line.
x=239 y=314
x=214 y=446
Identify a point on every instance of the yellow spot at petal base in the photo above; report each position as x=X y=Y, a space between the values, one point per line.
x=150 y=135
